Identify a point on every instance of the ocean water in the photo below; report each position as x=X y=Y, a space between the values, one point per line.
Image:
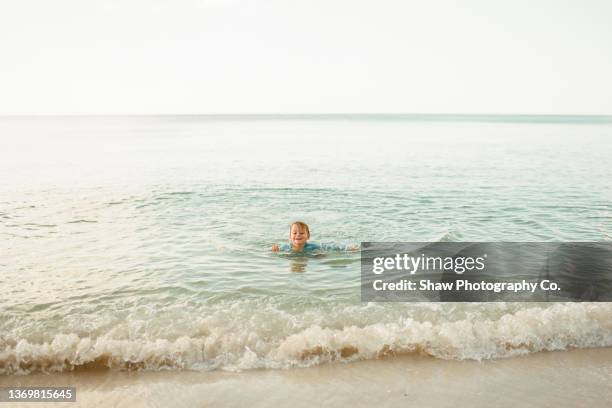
x=144 y=242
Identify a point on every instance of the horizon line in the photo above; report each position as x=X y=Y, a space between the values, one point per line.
x=460 y=117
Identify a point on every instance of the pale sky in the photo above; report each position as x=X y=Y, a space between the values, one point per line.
x=289 y=56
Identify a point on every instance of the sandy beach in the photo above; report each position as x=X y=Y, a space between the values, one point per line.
x=549 y=379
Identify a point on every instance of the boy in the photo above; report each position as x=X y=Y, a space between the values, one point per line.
x=299 y=233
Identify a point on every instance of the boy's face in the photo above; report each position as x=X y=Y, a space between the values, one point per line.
x=298 y=236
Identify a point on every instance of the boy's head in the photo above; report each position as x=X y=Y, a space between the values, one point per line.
x=299 y=233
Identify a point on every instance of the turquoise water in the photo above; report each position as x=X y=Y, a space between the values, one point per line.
x=145 y=242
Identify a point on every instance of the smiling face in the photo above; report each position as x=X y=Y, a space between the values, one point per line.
x=298 y=235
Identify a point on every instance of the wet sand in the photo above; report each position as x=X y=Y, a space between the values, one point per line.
x=549 y=379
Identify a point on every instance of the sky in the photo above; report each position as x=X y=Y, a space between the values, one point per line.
x=288 y=56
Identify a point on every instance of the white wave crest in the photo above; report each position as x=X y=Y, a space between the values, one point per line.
x=532 y=329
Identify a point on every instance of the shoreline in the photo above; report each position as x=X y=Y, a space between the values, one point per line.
x=578 y=377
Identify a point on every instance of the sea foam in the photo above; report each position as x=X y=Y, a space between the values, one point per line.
x=529 y=329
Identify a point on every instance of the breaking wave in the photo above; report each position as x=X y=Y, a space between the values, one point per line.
x=526 y=330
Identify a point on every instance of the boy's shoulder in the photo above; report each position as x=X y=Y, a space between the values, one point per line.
x=312 y=246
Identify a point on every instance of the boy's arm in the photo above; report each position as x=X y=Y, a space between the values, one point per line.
x=275 y=248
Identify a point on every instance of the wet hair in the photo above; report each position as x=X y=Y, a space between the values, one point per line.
x=302 y=225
